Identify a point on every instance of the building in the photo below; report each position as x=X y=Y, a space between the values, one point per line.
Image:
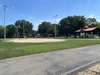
x=88 y=32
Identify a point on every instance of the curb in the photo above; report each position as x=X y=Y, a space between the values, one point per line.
x=80 y=67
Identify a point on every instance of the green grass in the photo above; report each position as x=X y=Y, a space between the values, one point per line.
x=8 y=50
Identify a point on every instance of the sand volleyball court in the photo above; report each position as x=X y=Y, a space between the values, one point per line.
x=34 y=40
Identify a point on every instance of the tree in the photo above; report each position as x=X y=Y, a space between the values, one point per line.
x=55 y=29
x=34 y=33
x=98 y=28
x=45 y=28
x=70 y=24
x=98 y=25
x=11 y=31
x=24 y=28
x=91 y=22
x=1 y=31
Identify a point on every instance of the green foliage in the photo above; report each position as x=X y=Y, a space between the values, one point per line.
x=66 y=27
x=1 y=31
x=98 y=25
x=91 y=21
x=11 y=31
x=55 y=28
x=46 y=28
x=69 y=24
x=24 y=28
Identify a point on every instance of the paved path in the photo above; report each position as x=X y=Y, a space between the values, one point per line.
x=53 y=63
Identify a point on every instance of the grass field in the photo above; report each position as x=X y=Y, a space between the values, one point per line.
x=8 y=50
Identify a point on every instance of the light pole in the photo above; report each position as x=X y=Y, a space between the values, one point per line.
x=4 y=9
x=55 y=28
x=17 y=34
x=23 y=31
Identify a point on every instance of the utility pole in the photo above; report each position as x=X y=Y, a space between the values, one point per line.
x=4 y=9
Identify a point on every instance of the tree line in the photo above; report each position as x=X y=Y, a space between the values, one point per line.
x=66 y=27
x=21 y=28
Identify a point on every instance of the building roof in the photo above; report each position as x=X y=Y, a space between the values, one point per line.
x=86 y=30
x=90 y=29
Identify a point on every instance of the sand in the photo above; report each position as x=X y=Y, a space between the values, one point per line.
x=94 y=70
x=34 y=40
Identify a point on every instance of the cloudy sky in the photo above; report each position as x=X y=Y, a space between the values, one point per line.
x=37 y=11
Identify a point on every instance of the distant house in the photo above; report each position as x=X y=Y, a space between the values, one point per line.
x=88 y=32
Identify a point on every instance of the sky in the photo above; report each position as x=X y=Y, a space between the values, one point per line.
x=37 y=11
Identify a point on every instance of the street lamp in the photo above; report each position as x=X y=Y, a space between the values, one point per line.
x=55 y=28
x=4 y=9
x=17 y=34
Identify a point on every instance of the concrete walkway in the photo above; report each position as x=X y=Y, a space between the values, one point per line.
x=52 y=63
